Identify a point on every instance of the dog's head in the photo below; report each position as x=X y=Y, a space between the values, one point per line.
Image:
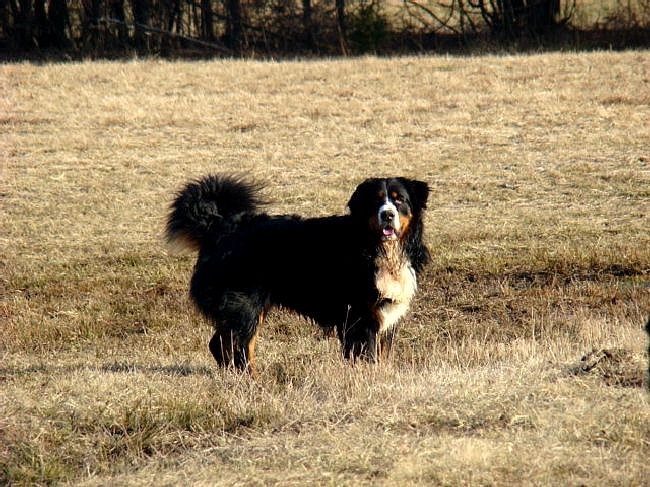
x=392 y=207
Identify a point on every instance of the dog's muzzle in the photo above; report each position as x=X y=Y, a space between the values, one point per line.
x=389 y=221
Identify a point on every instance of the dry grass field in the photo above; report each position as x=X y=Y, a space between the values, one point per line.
x=539 y=228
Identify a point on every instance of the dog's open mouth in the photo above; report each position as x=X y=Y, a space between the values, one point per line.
x=388 y=233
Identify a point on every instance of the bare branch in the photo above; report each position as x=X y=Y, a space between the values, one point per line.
x=480 y=5
x=444 y=23
x=465 y=15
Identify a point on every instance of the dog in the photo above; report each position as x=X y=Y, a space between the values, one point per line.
x=355 y=273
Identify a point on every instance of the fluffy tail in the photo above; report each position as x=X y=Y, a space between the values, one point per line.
x=210 y=207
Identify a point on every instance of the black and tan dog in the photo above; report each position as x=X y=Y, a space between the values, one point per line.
x=355 y=273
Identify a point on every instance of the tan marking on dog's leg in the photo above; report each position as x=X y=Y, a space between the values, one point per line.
x=250 y=356
x=250 y=346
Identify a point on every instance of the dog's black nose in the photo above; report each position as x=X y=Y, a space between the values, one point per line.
x=387 y=215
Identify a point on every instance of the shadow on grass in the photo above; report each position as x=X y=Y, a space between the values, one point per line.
x=175 y=370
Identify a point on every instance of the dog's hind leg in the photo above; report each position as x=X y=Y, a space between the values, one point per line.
x=233 y=343
x=250 y=347
x=231 y=349
x=222 y=346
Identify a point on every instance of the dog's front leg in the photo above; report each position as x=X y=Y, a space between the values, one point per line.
x=360 y=342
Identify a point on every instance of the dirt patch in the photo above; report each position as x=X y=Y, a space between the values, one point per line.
x=616 y=367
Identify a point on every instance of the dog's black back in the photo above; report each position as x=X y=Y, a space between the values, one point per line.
x=316 y=267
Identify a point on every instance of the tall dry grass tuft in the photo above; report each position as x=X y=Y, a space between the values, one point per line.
x=522 y=360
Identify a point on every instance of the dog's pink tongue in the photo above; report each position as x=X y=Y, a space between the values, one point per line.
x=388 y=232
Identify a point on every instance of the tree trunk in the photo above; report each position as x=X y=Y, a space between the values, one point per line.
x=175 y=17
x=207 y=23
x=41 y=24
x=543 y=15
x=234 y=26
x=308 y=34
x=141 y=19
x=23 y=24
x=340 y=22
x=92 y=24
x=117 y=12
x=59 y=21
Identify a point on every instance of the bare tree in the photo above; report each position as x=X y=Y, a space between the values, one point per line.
x=141 y=22
x=41 y=24
x=504 y=18
x=207 y=24
x=91 y=23
x=307 y=23
x=513 y=18
x=341 y=26
x=59 y=20
x=23 y=23
x=117 y=12
x=234 y=25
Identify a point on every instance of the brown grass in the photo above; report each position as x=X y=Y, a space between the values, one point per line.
x=538 y=223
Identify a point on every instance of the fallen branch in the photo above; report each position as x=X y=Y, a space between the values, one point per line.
x=146 y=28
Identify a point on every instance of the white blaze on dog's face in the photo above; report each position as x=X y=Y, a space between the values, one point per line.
x=394 y=213
x=389 y=221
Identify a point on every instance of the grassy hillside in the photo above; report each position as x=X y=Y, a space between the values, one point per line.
x=538 y=224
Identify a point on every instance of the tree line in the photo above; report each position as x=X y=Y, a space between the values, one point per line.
x=238 y=27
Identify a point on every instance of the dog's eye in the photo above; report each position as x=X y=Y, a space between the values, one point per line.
x=397 y=197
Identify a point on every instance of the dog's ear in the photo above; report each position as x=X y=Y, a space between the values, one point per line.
x=418 y=192
x=358 y=203
x=415 y=247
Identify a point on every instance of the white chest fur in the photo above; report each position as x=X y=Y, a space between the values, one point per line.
x=396 y=282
